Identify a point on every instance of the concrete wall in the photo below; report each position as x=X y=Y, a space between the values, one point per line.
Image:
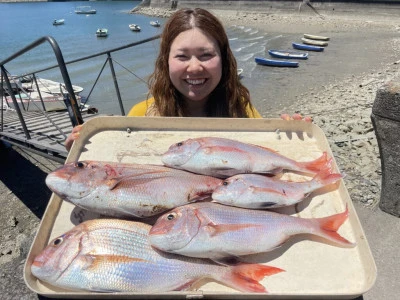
x=254 y=5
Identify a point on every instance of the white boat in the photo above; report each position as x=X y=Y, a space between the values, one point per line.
x=314 y=42
x=102 y=32
x=239 y=73
x=134 y=27
x=58 y=22
x=47 y=86
x=155 y=23
x=316 y=37
x=31 y=101
x=85 y=10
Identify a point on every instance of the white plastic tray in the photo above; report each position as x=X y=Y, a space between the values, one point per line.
x=314 y=269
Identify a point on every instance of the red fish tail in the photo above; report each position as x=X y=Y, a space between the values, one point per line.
x=321 y=163
x=330 y=225
x=325 y=177
x=246 y=277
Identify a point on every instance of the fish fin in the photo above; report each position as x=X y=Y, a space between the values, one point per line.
x=326 y=177
x=246 y=277
x=94 y=261
x=136 y=179
x=228 y=260
x=186 y=286
x=330 y=225
x=257 y=190
x=318 y=164
x=215 y=229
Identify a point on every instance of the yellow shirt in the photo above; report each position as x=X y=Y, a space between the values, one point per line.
x=142 y=108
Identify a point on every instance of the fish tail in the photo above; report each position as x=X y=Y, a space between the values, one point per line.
x=326 y=177
x=246 y=277
x=330 y=225
x=317 y=165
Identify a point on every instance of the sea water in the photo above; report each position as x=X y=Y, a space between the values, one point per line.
x=24 y=23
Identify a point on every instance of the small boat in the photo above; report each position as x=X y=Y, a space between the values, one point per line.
x=307 y=47
x=134 y=27
x=85 y=10
x=102 y=32
x=155 y=23
x=31 y=101
x=46 y=86
x=314 y=42
x=288 y=54
x=58 y=22
x=239 y=73
x=276 y=62
x=316 y=37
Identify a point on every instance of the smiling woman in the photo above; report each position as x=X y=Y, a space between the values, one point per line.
x=195 y=72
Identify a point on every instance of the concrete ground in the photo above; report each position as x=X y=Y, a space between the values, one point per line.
x=23 y=198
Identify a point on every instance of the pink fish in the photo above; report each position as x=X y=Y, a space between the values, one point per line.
x=110 y=255
x=128 y=190
x=220 y=232
x=259 y=192
x=221 y=157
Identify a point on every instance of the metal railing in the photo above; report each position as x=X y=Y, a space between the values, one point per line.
x=69 y=97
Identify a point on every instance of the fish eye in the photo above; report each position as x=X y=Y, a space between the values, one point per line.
x=171 y=217
x=58 y=241
x=179 y=144
x=79 y=164
x=225 y=183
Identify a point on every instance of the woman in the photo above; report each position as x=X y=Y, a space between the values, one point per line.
x=195 y=72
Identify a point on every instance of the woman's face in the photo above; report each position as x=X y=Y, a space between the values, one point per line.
x=195 y=66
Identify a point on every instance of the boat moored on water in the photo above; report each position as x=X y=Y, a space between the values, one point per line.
x=276 y=62
x=307 y=47
x=288 y=54
x=134 y=27
x=32 y=101
x=58 y=21
x=85 y=10
x=102 y=32
x=155 y=23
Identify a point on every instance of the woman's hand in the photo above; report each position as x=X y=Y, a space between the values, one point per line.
x=72 y=137
x=297 y=117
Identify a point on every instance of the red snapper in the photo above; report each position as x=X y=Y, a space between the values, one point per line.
x=222 y=232
x=221 y=157
x=110 y=255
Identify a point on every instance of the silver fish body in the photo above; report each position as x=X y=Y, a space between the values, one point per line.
x=218 y=231
x=111 y=255
x=259 y=192
x=221 y=157
x=128 y=190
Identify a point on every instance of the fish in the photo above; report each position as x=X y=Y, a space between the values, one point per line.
x=128 y=190
x=222 y=158
x=114 y=255
x=225 y=233
x=260 y=192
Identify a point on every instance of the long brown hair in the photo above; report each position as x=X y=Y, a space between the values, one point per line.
x=229 y=99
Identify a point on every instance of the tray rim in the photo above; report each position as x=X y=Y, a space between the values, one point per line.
x=128 y=124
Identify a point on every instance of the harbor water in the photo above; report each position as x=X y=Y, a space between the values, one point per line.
x=27 y=22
